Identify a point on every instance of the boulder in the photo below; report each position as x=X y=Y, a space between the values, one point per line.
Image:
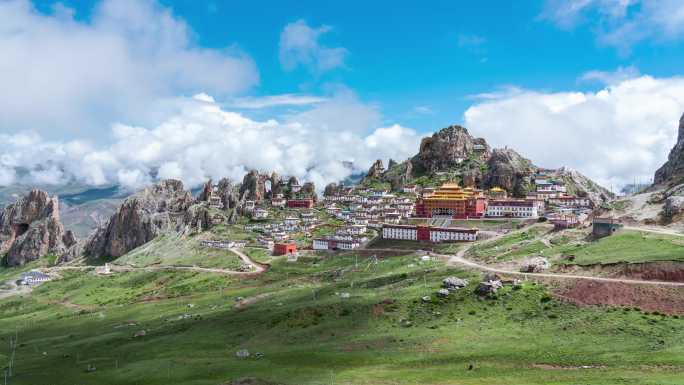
x=535 y=265
x=454 y=283
x=488 y=287
x=31 y=229
x=443 y=293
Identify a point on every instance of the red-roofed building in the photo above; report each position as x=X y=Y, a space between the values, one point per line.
x=284 y=248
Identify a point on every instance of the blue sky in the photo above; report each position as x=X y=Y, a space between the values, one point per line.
x=589 y=84
x=402 y=56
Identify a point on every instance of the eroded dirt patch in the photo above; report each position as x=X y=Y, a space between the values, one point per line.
x=669 y=300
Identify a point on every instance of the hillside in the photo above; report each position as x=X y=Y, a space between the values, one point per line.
x=452 y=154
x=306 y=333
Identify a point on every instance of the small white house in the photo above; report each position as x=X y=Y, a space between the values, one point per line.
x=34 y=277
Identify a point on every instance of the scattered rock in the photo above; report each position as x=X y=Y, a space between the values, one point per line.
x=139 y=333
x=454 y=283
x=345 y=295
x=426 y=298
x=535 y=265
x=488 y=287
x=443 y=293
x=242 y=353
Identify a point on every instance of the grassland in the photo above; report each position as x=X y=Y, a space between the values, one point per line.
x=173 y=250
x=625 y=246
x=514 y=245
x=382 y=334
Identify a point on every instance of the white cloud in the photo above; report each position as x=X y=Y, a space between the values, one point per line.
x=275 y=101
x=611 y=77
x=202 y=140
x=621 y=23
x=300 y=45
x=66 y=77
x=613 y=135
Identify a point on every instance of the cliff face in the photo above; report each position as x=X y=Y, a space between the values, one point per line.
x=140 y=218
x=509 y=170
x=448 y=148
x=673 y=170
x=30 y=229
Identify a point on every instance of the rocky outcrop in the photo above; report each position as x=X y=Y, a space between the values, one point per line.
x=509 y=170
x=309 y=191
x=580 y=185
x=672 y=171
x=31 y=229
x=143 y=216
x=376 y=169
x=331 y=189
x=253 y=186
x=448 y=148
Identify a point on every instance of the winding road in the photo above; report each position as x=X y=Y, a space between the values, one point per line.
x=459 y=260
x=259 y=268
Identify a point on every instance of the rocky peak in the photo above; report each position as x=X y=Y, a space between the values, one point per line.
x=30 y=229
x=448 y=148
x=673 y=169
x=376 y=170
x=509 y=170
x=141 y=218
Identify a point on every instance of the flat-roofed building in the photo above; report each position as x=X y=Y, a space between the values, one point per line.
x=428 y=233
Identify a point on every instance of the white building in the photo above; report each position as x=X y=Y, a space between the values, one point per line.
x=291 y=221
x=513 y=208
x=336 y=244
x=259 y=213
x=34 y=277
x=428 y=233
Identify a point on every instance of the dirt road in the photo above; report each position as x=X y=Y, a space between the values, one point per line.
x=460 y=260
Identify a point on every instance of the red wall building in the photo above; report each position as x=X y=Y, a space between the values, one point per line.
x=452 y=201
x=300 y=203
x=284 y=248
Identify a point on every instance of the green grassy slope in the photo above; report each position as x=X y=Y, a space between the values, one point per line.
x=627 y=246
x=173 y=250
x=382 y=334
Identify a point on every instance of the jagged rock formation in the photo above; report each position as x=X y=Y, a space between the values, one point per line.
x=30 y=229
x=253 y=185
x=156 y=209
x=448 y=148
x=376 y=170
x=579 y=185
x=672 y=171
x=509 y=170
x=309 y=191
x=331 y=189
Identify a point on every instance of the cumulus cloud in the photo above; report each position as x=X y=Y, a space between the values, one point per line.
x=203 y=140
x=63 y=76
x=621 y=132
x=621 y=23
x=300 y=46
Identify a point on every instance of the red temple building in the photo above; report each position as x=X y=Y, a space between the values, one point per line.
x=452 y=201
x=300 y=203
